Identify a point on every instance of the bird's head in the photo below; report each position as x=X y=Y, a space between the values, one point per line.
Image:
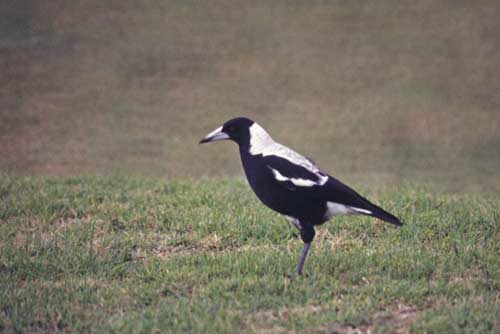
x=236 y=129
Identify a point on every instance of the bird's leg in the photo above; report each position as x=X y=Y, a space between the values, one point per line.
x=302 y=258
x=307 y=235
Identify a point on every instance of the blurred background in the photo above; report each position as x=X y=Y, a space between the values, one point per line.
x=377 y=92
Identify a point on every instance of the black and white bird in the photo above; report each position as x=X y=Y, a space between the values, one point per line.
x=292 y=184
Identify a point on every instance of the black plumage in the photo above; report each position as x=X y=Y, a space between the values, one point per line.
x=292 y=184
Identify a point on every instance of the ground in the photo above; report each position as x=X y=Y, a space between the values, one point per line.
x=114 y=254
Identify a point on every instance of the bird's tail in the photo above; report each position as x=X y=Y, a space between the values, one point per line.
x=380 y=213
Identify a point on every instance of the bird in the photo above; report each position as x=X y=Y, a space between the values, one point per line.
x=292 y=184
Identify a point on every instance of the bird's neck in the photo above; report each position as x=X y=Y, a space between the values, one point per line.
x=259 y=140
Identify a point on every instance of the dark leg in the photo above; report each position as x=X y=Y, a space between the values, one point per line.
x=302 y=258
x=307 y=236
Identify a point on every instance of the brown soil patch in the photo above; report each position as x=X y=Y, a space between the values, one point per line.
x=397 y=319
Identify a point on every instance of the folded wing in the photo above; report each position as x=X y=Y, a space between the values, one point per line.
x=309 y=181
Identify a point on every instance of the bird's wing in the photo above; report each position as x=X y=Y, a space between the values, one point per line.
x=294 y=176
x=311 y=182
x=315 y=184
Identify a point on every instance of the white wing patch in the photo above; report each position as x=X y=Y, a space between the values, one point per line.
x=337 y=209
x=322 y=178
x=296 y=181
x=262 y=143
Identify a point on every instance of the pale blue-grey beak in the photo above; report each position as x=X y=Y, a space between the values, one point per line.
x=215 y=135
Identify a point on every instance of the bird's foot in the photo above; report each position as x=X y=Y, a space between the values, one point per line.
x=296 y=275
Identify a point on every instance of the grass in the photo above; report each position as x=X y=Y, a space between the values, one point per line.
x=385 y=93
x=136 y=255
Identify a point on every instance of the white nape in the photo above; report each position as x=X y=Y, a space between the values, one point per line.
x=260 y=140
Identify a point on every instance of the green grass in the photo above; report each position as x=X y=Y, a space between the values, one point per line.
x=378 y=93
x=130 y=255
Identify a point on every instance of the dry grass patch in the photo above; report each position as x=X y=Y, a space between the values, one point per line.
x=264 y=322
x=286 y=312
x=467 y=276
x=327 y=241
x=212 y=243
x=394 y=319
x=209 y=243
x=69 y=221
x=169 y=251
x=397 y=317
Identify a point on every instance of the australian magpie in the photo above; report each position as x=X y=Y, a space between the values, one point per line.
x=292 y=184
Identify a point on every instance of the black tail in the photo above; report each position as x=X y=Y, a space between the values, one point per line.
x=380 y=213
x=338 y=192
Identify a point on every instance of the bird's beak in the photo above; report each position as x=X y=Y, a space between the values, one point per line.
x=217 y=134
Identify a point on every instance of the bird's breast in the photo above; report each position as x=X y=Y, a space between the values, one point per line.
x=259 y=176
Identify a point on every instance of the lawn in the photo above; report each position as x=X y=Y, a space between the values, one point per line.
x=141 y=255
x=114 y=220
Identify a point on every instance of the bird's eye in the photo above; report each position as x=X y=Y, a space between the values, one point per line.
x=232 y=128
